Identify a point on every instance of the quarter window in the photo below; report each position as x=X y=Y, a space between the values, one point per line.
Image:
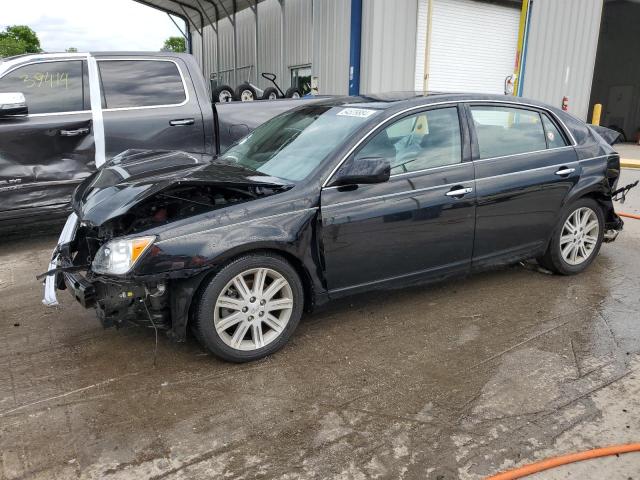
x=425 y=140
x=140 y=83
x=554 y=138
x=49 y=87
x=507 y=131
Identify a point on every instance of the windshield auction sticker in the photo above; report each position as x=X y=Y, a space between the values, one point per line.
x=356 y=112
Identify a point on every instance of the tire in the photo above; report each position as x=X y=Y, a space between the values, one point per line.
x=562 y=239
x=270 y=93
x=293 y=92
x=246 y=93
x=244 y=312
x=223 y=94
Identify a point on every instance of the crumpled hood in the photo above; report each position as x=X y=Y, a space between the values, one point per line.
x=135 y=175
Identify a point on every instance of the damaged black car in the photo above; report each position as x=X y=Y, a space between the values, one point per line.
x=326 y=200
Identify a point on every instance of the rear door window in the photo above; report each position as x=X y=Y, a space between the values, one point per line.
x=140 y=83
x=49 y=87
x=503 y=131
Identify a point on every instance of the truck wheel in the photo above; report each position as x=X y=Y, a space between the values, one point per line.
x=270 y=93
x=576 y=241
x=223 y=94
x=246 y=93
x=293 y=93
x=250 y=308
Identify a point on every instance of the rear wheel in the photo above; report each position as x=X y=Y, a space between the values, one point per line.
x=250 y=308
x=576 y=240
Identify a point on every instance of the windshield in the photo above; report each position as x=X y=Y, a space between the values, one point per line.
x=293 y=144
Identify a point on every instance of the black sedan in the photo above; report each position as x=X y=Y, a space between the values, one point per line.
x=326 y=200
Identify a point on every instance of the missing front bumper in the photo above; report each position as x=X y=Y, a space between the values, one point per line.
x=83 y=290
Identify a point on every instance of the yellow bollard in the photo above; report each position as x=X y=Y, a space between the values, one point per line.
x=597 y=110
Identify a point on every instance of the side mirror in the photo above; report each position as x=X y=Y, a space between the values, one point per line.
x=13 y=105
x=363 y=170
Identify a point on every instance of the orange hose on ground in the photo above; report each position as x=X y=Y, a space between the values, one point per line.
x=564 y=460
x=629 y=215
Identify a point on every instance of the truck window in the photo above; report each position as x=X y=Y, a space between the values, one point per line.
x=140 y=83
x=49 y=87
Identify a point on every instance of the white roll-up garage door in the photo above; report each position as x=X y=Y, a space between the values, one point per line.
x=472 y=46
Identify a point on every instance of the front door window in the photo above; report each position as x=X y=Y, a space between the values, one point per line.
x=420 y=141
x=49 y=87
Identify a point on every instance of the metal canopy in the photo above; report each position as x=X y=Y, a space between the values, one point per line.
x=201 y=12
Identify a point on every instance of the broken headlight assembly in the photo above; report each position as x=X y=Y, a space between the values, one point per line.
x=118 y=257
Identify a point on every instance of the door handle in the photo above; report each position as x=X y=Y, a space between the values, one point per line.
x=74 y=133
x=182 y=122
x=565 y=171
x=459 y=192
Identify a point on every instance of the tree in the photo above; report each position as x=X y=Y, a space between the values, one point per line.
x=18 y=39
x=71 y=50
x=175 y=44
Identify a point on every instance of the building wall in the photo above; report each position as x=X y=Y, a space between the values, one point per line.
x=561 y=52
x=298 y=32
x=388 y=45
x=296 y=48
x=331 y=36
x=270 y=46
x=560 y=59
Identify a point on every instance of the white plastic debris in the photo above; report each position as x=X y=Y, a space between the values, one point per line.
x=66 y=236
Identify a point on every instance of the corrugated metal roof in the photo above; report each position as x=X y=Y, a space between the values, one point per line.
x=200 y=12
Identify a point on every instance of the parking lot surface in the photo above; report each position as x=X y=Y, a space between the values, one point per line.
x=456 y=380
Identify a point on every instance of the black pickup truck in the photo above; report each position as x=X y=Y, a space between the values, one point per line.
x=63 y=115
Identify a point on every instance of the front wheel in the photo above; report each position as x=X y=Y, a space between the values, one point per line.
x=250 y=308
x=576 y=240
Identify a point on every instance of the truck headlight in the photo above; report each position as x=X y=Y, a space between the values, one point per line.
x=119 y=256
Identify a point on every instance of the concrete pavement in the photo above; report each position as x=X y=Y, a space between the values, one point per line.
x=457 y=380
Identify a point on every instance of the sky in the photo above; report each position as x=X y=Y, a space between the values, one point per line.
x=91 y=25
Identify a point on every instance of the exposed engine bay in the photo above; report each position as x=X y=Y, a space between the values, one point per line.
x=178 y=203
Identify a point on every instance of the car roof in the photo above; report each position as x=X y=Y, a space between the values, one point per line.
x=393 y=100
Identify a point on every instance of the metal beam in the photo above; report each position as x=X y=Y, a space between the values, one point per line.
x=283 y=43
x=235 y=46
x=232 y=19
x=355 y=47
x=187 y=15
x=204 y=11
x=201 y=31
x=254 y=8
x=215 y=8
x=184 y=34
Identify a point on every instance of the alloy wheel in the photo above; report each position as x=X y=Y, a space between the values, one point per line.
x=253 y=309
x=579 y=236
